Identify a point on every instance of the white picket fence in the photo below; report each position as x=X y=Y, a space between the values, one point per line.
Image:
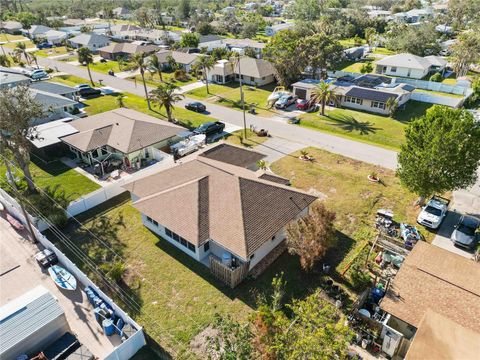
x=135 y=342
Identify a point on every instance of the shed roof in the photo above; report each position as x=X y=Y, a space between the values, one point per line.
x=436 y=279
x=440 y=338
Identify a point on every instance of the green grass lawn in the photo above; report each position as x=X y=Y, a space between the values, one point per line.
x=8 y=37
x=236 y=138
x=104 y=67
x=154 y=80
x=383 y=51
x=71 y=80
x=56 y=173
x=432 y=92
x=52 y=52
x=13 y=45
x=450 y=81
x=229 y=96
x=348 y=43
x=367 y=127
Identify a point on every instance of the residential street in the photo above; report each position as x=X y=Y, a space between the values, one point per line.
x=277 y=127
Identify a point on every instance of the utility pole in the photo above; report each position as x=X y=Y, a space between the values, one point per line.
x=20 y=200
x=242 y=99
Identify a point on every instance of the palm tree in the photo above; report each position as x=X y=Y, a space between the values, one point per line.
x=155 y=66
x=138 y=62
x=392 y=106
x=85 y=57
x=324 y=93
x=206 y=62
x=4 y=61
x=120 y=100
x=34 y=58
x=262 y=164
x=21 y=48
x=165 y=95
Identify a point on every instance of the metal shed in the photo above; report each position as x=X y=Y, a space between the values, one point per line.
x=30 y=322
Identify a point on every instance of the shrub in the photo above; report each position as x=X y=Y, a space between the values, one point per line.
x=437 y=77
x=180 y=75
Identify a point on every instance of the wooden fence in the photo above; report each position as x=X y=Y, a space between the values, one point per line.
x=231 y=277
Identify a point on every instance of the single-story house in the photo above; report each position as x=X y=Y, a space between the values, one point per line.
x=433 y=279
x=408 y=65
x=54 y=37
x=413 y=16
x=354 y=53
x=55 y=106
x=92 y=41
x=118 y=31
x=156 y=36
x=304 y=88
x=122 y=13
x=11 y=80
x=184 y=59
x=126 y=135
x=37 y=31
x=272 y=30
x=125 y=50
x=237 y=45
x=55 y=88
x=437 y=63
x=11 y=27
x=256 y=72
x=231 y=220
x=379 y=14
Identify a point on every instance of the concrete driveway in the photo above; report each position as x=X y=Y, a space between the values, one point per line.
x=464 y=202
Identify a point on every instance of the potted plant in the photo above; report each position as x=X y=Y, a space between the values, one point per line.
x=373 y=177
x=304 y=155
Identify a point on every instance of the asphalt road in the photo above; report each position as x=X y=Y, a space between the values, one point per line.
x=278 y=127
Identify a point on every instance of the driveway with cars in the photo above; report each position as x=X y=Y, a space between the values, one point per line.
x=464 y=202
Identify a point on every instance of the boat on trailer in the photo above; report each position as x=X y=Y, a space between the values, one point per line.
x=63 y=279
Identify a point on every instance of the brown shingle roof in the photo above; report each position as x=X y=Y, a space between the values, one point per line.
x=440 y=338
x=180 y=57
x=257 y=68
x=434 y=278
x=233 y=155
x=123 y=129
x=206 y=199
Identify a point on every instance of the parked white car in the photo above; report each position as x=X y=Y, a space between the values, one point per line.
x=38 y=74
x=433 y=212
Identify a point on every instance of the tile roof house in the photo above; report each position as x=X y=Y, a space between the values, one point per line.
x=92 y=41
x=228 y=213
x=409 y=66
x=125 y=50
x=123 y=134
x=433 y=279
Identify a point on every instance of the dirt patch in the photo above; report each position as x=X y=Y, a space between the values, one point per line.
x=200 y=342
x=317 y=193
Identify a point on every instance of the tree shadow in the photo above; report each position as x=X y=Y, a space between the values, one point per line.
x=350 y=124
x=53 y=168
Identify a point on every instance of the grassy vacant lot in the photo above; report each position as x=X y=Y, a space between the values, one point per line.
x=154 y=80
x=229 y=96
x=13 y=45
x=104 y=67
x=8 y=37
x=236 y=138
x=342 y=183
x=178 y=297
x=383 y=51
x=363 y=126
x=56 y=173
x=52 y=52
x=71 y=80
x=439 y=93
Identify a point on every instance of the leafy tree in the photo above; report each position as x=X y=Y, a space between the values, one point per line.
x=324 y=93
x=85 y=57
x=465 y=52
x=205 y=28
x=206 y=63
x=183 y=9
x=172 y=63
x=138 y=62
x=250 y=52
x=155 y=65
x=461 y=13
x=437 y=77
x=306 y=10
x=17 y=110
x=86 y=29
x=318 y=51
x=54 y=210
x=441 y=152
x=249 y=30
x=4 y=60
x=418 y=40
x=311 y=236
x=233 y=340
x=366 y=68
x=281 y=51
x=189 y=40
x=370 y=34
x=164 y=96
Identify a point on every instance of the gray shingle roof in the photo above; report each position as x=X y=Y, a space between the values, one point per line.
x=89 y=39
x=233 y=155
x=53 y=87
x=49 y=100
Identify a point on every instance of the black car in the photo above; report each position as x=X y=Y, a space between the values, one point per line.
x=85 y=90
x=196 y=106
x=210 y=128
x=465 y=234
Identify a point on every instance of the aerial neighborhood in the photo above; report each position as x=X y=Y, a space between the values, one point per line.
x=268 y=179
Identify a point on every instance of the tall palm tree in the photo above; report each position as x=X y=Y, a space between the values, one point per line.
x=34 y=58
x=155 y=65
x=324 y=93
x=165 y=95
x=392 y=106
x=21 y=48
x=205 y=62
x=138 y=62
x=85 y=57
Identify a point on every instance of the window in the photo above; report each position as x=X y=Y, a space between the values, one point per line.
x=150 y=220
x=252 y=78
x=206 y=246
x=381 y=106
x=175 y=237
x=393 y=69
x=359 y=101
x=191 y=247
x=252 y=256
x=183 y=241
x=168 y=232
x=155 y=222
x=263 y=77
